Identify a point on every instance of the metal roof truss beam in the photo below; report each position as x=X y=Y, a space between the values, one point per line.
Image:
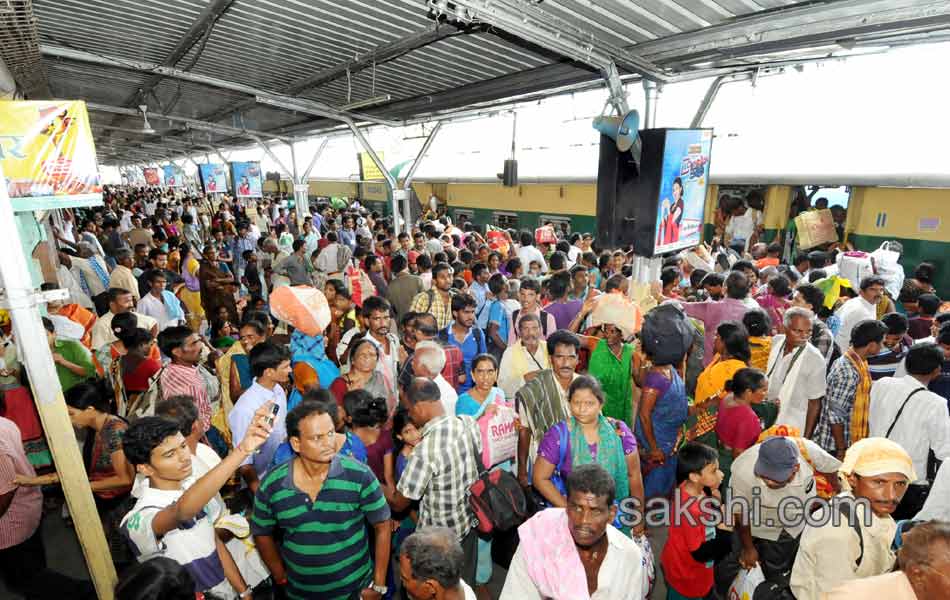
x=146 y=67
x=525 y=20
x=191 y=123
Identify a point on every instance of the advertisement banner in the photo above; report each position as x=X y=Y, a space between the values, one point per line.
x=151 y=176
x=368 y=169
x=174 y=176
x=685 y=175
x=247 y=179
x=48 y=155
x=214 y=178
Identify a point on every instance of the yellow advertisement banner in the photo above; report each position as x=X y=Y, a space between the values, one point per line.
x=368 y=169
x=47 y=154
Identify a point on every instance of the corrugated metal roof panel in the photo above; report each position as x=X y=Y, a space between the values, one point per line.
x=273 y=44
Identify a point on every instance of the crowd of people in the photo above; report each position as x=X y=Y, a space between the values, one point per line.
x=234 y=455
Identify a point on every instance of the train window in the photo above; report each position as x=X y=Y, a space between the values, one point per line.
x=505 y=220
x=463 y=216
x=560 y=223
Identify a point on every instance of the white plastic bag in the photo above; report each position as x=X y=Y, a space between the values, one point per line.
x=887 y=265
x=743 y=588
x=647 y=563
x=855 y=266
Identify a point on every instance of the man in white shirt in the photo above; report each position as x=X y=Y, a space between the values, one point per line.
x=160 y=304
x=89 y=269
x=796 y=373
x=69 y=282
x=528 y=253
x=877 y=471
x=905 y=411
x=122 y=276
x=430 y=565
x=575 y=251
x=861 y=307
x=120 y=301
x=428 y=361
x=270 y=365
x=524 y=359
x=743 y=225
x=614 y=561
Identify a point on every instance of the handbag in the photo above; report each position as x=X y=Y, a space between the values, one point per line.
x=495 y=498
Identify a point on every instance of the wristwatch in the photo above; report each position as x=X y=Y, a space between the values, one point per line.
x=379 y=589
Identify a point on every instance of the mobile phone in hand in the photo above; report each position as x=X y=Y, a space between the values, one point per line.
x=273 y=414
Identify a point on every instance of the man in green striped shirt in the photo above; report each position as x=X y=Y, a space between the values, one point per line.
x=321 y=502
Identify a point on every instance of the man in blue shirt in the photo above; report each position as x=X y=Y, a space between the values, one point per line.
x=463 y=334
x=243 y=241
x=270 y=365
x=479 y=290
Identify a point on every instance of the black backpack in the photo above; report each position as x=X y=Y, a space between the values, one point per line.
x=666 y=335
x=496 y=499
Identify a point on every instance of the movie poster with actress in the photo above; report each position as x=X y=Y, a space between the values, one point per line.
x=214 y=178
x=247 y=179
x=684 y=179
x=174 y=177
x=152 y=176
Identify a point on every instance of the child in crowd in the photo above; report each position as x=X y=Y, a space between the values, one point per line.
x=927 y=306
x=692 y=547
x=534 y=269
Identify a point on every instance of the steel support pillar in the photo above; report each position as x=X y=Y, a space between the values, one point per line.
x=407 y=182
x=651 y=90
x=707 y=101
x=390 y=180
x=289 y=173
x=301 y=185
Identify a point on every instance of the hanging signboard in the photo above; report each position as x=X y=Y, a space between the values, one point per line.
x=368 y=169
x=683 y=184
x=214 y=178
x=247 y=179
x=151 y=176
x=174 y=176
x=47 y=155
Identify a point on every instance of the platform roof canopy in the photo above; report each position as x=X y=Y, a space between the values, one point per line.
x=212 y=72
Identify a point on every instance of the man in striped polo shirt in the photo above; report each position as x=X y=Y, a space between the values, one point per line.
x=321 y=501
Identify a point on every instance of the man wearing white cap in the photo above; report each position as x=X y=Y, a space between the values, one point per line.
x=877 y=472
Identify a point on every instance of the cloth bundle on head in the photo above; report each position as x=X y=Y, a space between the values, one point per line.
x=617 y=310
x=302 y=306
x=699 y=258
x=876 y=456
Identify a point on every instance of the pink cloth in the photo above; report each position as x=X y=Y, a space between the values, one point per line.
x=775 y=306
x=712 y=313
x=182 y=380
x=553 y=563
x=23 y=516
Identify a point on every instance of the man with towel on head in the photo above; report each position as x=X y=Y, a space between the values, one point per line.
x=876 y=471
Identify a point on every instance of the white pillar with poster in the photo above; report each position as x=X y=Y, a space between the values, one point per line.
x=23 y=303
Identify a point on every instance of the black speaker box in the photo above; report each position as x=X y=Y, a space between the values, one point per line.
x=627 y=193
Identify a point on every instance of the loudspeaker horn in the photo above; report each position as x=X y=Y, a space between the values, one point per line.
x=622 y=130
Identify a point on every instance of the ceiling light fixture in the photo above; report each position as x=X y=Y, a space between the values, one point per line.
x=146 y=127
